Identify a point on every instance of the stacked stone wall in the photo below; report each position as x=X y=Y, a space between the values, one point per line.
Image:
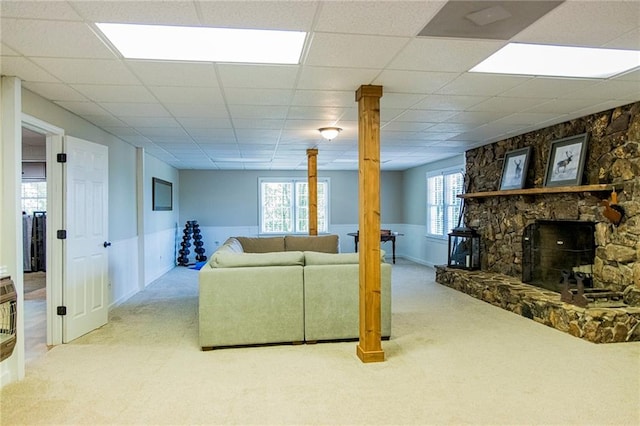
x=613 y=157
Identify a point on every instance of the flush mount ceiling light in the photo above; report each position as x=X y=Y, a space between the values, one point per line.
x=559 y=61
x=329 y=132
x=175 y=43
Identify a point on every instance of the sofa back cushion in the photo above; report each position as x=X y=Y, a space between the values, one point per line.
x=315 y=258
x=319 y=243
x=261 y=245
x=232 y=245
x=227 y=259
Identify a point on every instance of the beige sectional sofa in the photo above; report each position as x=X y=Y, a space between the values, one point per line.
x=283 y=289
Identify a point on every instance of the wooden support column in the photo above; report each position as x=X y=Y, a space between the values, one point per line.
x=312 y=166
x=370 y=344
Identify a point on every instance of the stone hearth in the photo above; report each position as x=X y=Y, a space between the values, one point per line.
x=595 y=324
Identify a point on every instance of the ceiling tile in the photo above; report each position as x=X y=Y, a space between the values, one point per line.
x=54 y=91
x=426 y=116
x=267 y=15
x=476 y=117
x=330 y=98
x=608 y=90
x=85 y=71
x=105 y=121
x=504 y=104
x=7 y=51
x=197 y=110
x=238 y=96
x=124 y=109
x=163 y=133
x=25 y=69
x=443 y=55
x=449 y=102
x=630 y=40
x=406 y=126
x=476 y=84
x=269 y=76
x=53 y=39
x=257 y=111
x=328 y=114
x=44 y=9
x=262 y=124
x=204 y=123
x=560 y=106
x=573 y=23
x=139 y=12
x=139 y=121
x=413 y=81
x=187 y=95
x=544 y=87
x=114 y=93
x=156 y=73
x=325 y=78
x=373 y=17
x=353 y=51
x=83 y=108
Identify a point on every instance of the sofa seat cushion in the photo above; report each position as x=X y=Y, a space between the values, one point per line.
x=261 y=244
x=225 y=259
x=319 y=243
x=316 y=258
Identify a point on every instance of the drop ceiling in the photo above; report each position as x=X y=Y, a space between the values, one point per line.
x=241 y=116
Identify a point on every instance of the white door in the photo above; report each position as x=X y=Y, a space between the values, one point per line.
x=85 y=272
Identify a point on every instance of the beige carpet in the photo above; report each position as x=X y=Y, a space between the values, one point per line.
x=452 y=360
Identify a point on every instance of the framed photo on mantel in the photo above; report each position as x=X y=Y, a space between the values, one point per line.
x=566 y=161
x=514 y=169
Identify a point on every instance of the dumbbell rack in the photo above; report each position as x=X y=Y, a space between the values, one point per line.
x=191 y=230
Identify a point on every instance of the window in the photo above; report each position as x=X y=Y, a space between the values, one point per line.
x=34 y=197
x=443 y=205
x=284 y=206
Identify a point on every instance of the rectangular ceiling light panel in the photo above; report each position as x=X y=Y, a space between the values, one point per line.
x=206 y=44
x=559 y=61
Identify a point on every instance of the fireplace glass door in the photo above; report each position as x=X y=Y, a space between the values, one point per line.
x=553 y=246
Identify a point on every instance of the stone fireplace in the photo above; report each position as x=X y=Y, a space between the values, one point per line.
x=505 y=221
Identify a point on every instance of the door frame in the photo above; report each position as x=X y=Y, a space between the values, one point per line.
x=54 y=253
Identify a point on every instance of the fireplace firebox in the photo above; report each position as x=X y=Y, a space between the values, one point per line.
x=552 y=250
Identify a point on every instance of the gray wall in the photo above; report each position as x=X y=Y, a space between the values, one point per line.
x=230 y=198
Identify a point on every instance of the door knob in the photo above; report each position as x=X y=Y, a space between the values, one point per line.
x=106 y=244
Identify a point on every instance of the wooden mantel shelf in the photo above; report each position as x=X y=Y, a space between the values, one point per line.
x=539 y=191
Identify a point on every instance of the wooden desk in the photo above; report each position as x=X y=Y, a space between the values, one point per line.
x=384 y=237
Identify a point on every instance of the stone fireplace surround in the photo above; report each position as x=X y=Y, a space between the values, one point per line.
x=613 y=157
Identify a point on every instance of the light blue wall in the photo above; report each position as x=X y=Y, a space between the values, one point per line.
x=415 y=245
x=160 y=220
x=415 y=188
x=230 y=198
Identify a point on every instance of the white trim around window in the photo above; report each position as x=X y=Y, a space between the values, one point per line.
x=442 y=204
x=283 y=204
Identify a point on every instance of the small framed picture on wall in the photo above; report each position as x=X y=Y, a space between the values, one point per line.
x=162 y=195
x=514 y=169
x=565 y=163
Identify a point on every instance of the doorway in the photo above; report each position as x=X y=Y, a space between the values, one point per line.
x=34 y=222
